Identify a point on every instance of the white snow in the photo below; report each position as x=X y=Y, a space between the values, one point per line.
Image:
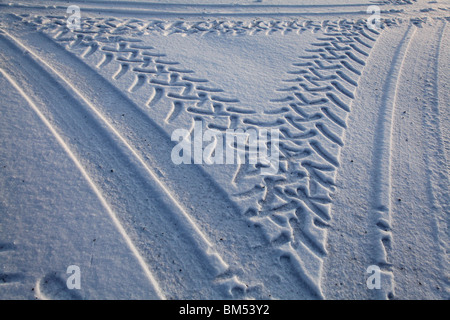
x=87 y=179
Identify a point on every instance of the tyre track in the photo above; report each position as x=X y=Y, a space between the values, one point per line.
x=166 y=170
x=7 y=248
x=437 y=162
x=312 y=125
x=382 y=193
x=318 y=108
x=84 y=173
x=196 y=10
x=315 y=115
x=129 y=158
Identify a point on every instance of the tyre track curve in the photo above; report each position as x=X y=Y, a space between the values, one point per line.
x=124 y=157
x=293 y=208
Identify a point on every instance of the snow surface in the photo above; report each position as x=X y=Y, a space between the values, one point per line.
x=87 y=178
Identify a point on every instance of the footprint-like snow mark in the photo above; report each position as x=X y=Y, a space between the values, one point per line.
x=107 y=57
x=53 y=287
x=7 y=278
x=329 y=134
x=123 y=68
x=321 y=151
x=338 y=102
x=90 y=50
x=346 y=78
x=139 y=82
x=340 y=87
x=333 y=117
x=177 y=106
x=7 y=246
x=156 y=96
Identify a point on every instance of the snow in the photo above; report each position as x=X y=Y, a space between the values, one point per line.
x=87 y=178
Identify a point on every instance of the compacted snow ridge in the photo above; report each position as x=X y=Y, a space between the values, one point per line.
x=101 y=198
